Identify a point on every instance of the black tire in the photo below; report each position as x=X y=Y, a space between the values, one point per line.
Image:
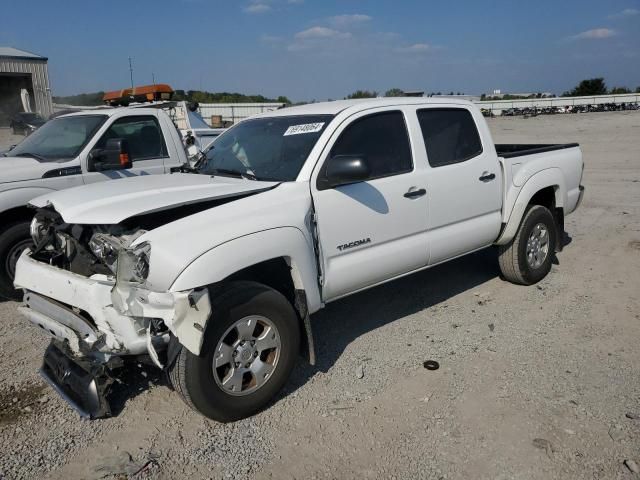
x=192 y=376
x=513 y=257
x=13 y=241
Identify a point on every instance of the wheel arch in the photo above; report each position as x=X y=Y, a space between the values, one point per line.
x=546 y=188
x=15 y=203
x=15 y=215
x=279 y=258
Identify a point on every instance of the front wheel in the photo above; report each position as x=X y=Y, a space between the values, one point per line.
x=250 y=347
x=13 y=241
x=527 y=258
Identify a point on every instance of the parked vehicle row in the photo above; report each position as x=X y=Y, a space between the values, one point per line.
x=535 y=111
x=211 y=273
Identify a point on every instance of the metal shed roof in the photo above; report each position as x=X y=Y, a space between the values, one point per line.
x=10 y=52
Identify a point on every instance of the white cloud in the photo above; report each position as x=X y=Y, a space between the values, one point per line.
x=595 y=34
x=627 y=12
x=417 y=48
x=321 y=32
x=257 y=8
x=343 y=21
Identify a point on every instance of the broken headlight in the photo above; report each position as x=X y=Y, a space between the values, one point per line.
x=106 y=249
x=133 y=263
x=38 y=229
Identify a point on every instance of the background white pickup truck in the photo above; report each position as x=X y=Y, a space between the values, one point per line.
x=212 y=275
x=56 y=156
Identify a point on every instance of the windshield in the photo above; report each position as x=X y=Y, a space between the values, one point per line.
x=272 y=148
x=59 y=138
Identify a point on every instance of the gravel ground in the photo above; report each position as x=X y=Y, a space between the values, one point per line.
x=535 y=382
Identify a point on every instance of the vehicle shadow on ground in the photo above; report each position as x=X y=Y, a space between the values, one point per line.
x=340 y=323
x=131 y=382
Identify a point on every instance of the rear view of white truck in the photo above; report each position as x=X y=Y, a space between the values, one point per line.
x=212 y=275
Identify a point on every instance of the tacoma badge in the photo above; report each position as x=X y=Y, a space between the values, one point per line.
x=357 y=243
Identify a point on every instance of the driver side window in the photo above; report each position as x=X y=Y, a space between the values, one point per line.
x=382 y=139
x=142 y=134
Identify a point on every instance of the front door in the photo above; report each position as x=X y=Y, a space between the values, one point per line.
x=147 y=148
x=374 y=230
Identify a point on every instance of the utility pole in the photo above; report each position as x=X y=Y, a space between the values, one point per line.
x=153 y=78
x=131 y=71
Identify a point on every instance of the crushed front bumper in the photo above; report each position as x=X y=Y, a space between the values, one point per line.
x=95 y=314
x=94 y=321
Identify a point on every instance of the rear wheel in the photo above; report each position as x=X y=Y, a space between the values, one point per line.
x=250 y=347
x=527 y=258
x=13 y=241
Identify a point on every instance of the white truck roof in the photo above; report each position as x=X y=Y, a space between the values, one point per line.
x=337 y=106
x=112 y=111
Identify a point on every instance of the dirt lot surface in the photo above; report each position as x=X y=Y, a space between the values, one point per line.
x=534 y=382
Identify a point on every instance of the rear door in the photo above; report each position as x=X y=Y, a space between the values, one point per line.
x=464 y=182
x=374 y=230
x=147 y=147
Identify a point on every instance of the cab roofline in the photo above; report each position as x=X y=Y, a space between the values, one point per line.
x=338 y=106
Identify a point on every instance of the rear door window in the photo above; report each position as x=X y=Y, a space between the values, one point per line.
x=450 y=135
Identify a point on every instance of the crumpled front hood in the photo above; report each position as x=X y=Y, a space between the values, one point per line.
x=18 y=169
x=111 y=202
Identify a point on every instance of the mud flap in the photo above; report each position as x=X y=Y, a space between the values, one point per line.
x=81 y=383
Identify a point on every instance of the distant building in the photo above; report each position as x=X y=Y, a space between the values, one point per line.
x=22 y=70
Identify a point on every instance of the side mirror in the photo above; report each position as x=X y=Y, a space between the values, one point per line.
x=344 y=170
x=115 y=156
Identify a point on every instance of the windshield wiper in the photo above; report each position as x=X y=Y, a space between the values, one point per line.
x=236 y=173
x=40 y=158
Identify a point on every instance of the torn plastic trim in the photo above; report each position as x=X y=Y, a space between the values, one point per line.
x=83 y=384
x=184 y=313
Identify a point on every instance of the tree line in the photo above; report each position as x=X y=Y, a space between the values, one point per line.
x=95 y=98
x=596 y=86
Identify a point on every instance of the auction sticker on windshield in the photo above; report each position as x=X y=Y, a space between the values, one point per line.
x=306 y=128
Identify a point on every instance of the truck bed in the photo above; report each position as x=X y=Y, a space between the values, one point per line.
x=511 y=150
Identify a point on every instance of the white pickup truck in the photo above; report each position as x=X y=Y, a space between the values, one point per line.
x=212 y=275
x=57 y=156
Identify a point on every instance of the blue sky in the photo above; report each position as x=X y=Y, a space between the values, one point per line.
x=319 y=49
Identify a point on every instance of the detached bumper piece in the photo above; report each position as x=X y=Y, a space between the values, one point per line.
x=83 y=384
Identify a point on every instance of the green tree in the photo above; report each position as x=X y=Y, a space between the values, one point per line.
x=283 y=99
x=619 y=90
x=394 y=92
x=592 y=86
x=362 y=94
x=83 y=99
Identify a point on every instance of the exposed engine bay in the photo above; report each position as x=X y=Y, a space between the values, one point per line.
x=81 y=249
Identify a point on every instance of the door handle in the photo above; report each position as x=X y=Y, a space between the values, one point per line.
x=415 y=193
x=487 y=177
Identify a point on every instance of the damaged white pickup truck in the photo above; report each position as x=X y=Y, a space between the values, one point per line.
x=211 y=274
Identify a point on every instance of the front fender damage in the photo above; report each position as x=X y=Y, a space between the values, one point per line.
x=185 y=314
